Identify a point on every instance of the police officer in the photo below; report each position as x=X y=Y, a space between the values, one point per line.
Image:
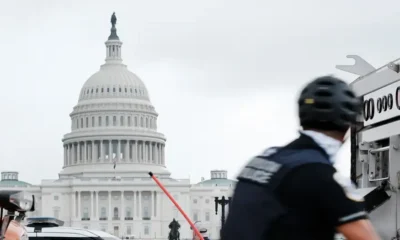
x=294 y=192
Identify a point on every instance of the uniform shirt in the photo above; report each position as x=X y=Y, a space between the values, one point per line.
x=317 y=200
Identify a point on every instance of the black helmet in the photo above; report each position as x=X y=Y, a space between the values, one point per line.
x=328 y=103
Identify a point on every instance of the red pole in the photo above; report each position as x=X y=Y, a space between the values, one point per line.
x=176 y=205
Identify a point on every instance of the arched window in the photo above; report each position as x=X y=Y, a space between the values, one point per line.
x=122 y=120
x=114 y=120
x=129 y=121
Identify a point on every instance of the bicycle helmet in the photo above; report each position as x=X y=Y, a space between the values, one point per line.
x=328 y=103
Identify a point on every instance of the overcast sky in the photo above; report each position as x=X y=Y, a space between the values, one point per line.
x=223 y=75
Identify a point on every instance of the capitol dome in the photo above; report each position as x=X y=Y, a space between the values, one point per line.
x=114 y=80
x=114 y=125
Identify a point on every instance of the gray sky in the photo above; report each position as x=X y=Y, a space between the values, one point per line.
x=223 y=75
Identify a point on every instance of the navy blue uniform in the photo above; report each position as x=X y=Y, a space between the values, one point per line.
x=290 y=193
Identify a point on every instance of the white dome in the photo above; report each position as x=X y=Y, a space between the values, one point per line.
x=114 y=123
x=111 y=81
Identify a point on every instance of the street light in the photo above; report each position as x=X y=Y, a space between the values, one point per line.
x=223 y=202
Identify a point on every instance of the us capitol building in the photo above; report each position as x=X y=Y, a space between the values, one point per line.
x=114 y=122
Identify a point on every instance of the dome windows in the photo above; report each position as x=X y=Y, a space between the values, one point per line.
x=126 y=119
x=117 y=91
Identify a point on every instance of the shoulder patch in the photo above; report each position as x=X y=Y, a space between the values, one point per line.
x=269 y=151
x=348 y=187
x=259 y=170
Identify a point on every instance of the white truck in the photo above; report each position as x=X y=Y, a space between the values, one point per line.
x=375 y=143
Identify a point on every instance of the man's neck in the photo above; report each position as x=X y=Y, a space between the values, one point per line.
x=333 y=134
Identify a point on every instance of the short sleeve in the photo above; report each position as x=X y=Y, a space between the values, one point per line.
x=322 y=188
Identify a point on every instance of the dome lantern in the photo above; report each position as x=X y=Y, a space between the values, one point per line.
x=113 y=44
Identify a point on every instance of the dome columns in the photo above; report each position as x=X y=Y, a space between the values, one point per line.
x=108 y=150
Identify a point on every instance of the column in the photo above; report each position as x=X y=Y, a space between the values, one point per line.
x=138 y=148
x=126 y=151
x=93 y=157
x=159 y=153
x=109 y=206
x=85 y=152
x=110 y=151
x=140 y=205
x=135 y=208
x=136 y=151
x=153 y=203
x=97 y=205
x=145 y=159
x=156 y=153
x=151 y=151
x=122 y=206
x=131 y=145
x=79 y=206
x=159 y=203
x=68 y=155
x=101 y=150
x=78 y=152
x=73 y=149
x=65 y=155
x=163 y=155
x=92 y=205
x=143 y=152
x=73 y=205
x=119 y=151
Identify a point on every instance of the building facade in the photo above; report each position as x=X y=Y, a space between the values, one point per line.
x=113 y=144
